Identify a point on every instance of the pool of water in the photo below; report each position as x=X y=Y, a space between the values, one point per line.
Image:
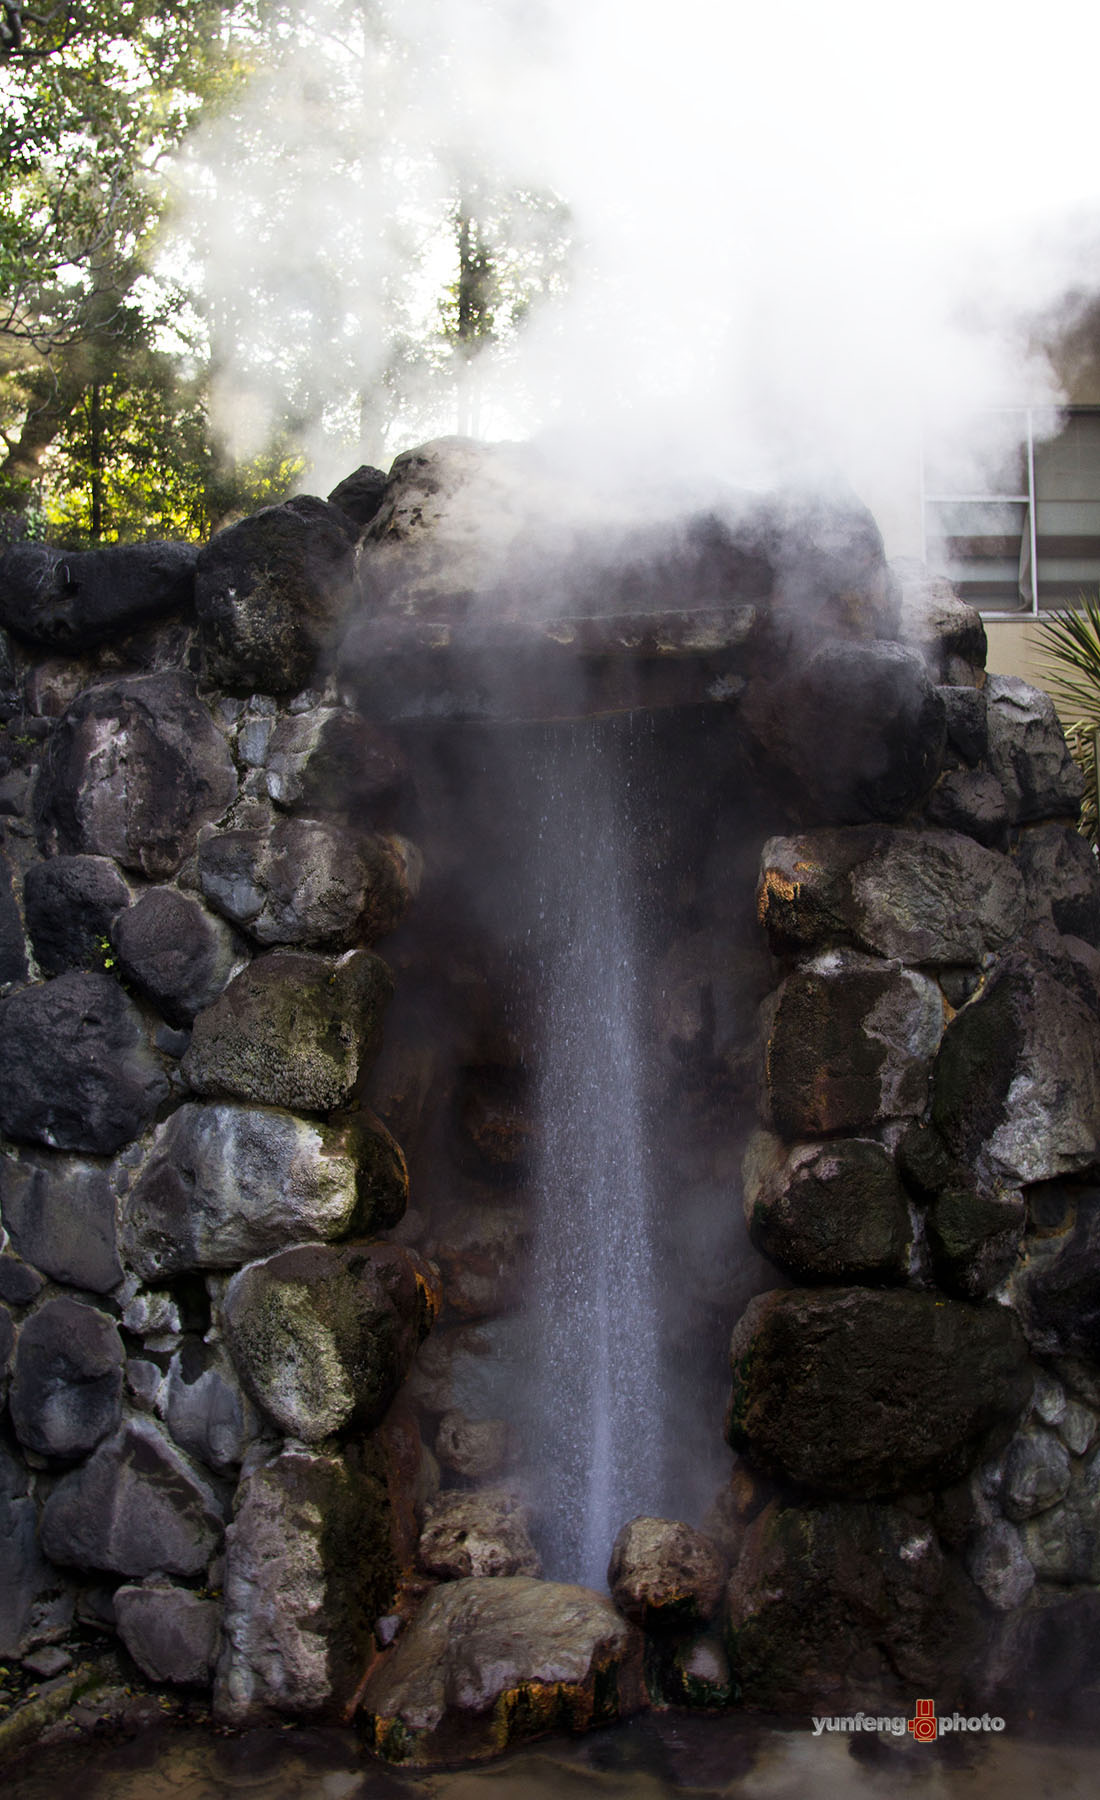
x=651 y=1758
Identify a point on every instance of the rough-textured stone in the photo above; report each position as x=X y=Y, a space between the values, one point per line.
x=76 y=1069
x=1028 y=753
x=851 y=1043
x=836 y=1606
x=359 y=495
x=292 y=1030
x=475 y=1449
x=171 y=1633
x=223 y=1185
x=1062 y=1542
x=914 y=896
x=7 y=1351
x=133 y=769
x=135 y=1508
x=1061 y=879
x=1058 y=1292
x=975 y=1236
x=322 y=1336
x=665 y=1574
x=1017 y=1078
x=176 y=953
x=66 y=1391
x=270 y=592
x=481 y=1253
x=35 y=1602
x=19 y=1283
x=204 y=1408
x=1036 y=1474
x=72 y=903
x=971 y=801
x=309 y=881
x=996 y=1563
x=72 y=599
x=932 y=619
x=330 y=760
x=308 y=1570
x=852 y=1391
x=828 y=1212
x=881 y=717
x=60 y=1214
x=487 y=1663
x=13 y=950
x=482 y=1533
x=967 y=724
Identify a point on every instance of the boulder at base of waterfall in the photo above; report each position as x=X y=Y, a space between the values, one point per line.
x=862 y=1392
x=664 y=1573
x=482 y=1533
x=489 y=1662
x=322 y=1336
x=136 y=1508
x=308 y=1569
x=171 y=1633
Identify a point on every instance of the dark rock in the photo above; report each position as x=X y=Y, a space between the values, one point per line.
x=975 y=1236
x=1028 y=752
x=72 y=599
x=309 y=881
x=967 y=724
x=932 y=619
x=135 y=1508
x=172 y=1634
x=1061 y=879
x=205 y=1409
x=132 y=771
x=270 y=593
x=330 y=760
x=60 y=1214
x=481 y=1533
x=930 y=897
x=1017 y=1078
x=19 y=1283
x=665 y=1575
x=359 y=495
x=835 y=1606
x=996 y=1563
x=488 y=1663
x=1059 y=1293
x=308 y=1569
x=879 y=714
x=76 y=1069
x=35 y=1601
x=222 y=1185
x=1036 y=1475
x=13 y=950
x=322 y=1337
x=176 y=953
x=851 y=1043
x=693 y=1673
x=852 y=1391
x=44 y=1664
x=971 y=801
x=1062 y=1541
x=292 y=1030
x=828 y=1212
x=494 y=1126
x=7 y=1350
x=72 y=902
x=66 y=1391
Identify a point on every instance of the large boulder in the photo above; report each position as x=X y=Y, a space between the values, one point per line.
x=309 y=881
x=176 y=953
x=71 y=904
x=59 y=1212
x=930 y=897
x=322 y=1336
x=135 y=1508
x=1028 y=753
x=486 y=1532
x=225 y=1184
x=270 y=592
x=1017 y=1078
x=851 y=1043
x=329 y=760
x=828 y=1212
x=76 y=1068
x=1061 y=879
x=875 y=708
x=836 y=1606
x=66 y=1391
x=853 y=1391
x=292 y=1030
x=69 y=600
x=172 y=1634
x=665 y=1575
x=308 y=1570
x=132 y=770
x=489 y=1662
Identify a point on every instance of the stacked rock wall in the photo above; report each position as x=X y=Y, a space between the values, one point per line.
x=211 y=1294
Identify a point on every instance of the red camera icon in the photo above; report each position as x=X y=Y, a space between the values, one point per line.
x=923 y=1724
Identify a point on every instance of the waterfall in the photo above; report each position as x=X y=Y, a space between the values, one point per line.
x=594 y=1424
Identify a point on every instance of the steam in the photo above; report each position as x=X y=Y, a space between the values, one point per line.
x=795 y=230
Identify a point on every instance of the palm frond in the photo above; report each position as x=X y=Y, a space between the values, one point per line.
x=1071 y=643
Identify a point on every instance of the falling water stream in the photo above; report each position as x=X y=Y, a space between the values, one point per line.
x=595 y=1425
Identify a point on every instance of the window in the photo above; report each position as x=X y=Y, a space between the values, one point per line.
x=1014 y=518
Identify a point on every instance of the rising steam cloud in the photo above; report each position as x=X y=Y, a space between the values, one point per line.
x=795 y=228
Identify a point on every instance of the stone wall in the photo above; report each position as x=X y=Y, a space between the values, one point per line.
x=225 y=774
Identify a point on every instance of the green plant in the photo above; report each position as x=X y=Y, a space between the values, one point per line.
x=1071 y=643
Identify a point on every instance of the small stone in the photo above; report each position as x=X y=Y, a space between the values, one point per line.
x=172 y=1634
x=66 y=1391
x=665 y=1574
x=1036 y=1475
x=44 y=1664
x=1077 y=1427
x=71 y=904
x=19 y=1283
x=176 y=953
x=481 y=1533
x=476 y=1449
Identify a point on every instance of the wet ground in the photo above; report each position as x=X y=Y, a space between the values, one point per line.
x=653 y=1758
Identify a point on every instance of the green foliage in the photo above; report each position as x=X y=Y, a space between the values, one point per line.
x=1071 y=642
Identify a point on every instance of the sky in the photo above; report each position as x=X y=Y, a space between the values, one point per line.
x=797 y=229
